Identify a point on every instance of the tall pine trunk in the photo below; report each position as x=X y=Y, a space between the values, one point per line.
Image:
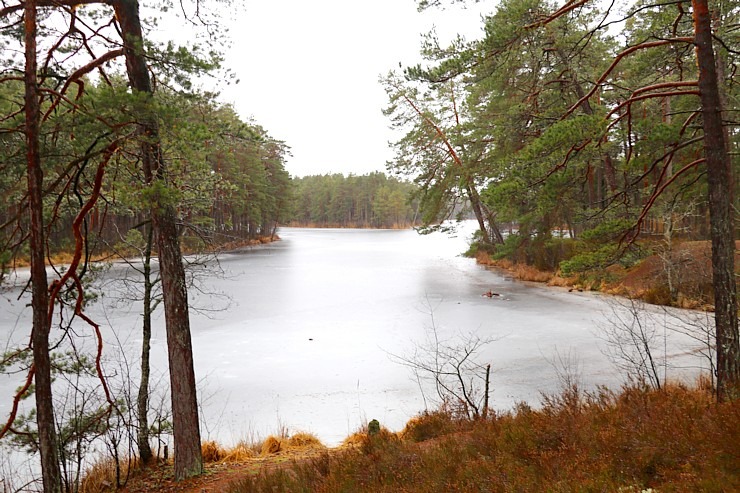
x=719 y=175
x=51 y=476
x=187 y=451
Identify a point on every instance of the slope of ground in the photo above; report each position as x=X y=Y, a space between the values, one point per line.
x=681 y=277
x=674 y=440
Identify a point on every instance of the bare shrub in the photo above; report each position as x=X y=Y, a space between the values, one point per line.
x=631 y=342
x=461 y=383
x=637 y=336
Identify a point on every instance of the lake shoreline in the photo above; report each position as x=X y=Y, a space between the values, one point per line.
x=645 y=281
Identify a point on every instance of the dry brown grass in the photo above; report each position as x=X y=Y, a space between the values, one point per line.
x=361 y=437
x=518 y=271
x=303 y=440
x=60 y=258
x=356 y=439
x=236 y=244
x=241 y=452
x=101 y=476
x=677 y=439
x=298 y=442
x=271 y=445
x=212 y=452
x=562 y=282
x=483 y=258
x=431 y=424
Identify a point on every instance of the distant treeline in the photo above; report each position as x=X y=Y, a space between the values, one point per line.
x=368 y=201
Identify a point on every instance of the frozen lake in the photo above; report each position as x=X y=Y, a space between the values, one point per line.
x=298 y=334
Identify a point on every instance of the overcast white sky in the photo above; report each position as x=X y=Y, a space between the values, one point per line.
x=309 y=72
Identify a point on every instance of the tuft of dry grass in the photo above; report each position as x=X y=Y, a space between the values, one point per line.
x=101 y=476
x=303 y=440
x=356 y=439
x=271 y=445
x=239 y=453
x=431 y=424
x=212 y=452
x=361 y=437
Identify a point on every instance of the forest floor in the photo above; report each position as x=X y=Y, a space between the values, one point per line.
x=218 y=475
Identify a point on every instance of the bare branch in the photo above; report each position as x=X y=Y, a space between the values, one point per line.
x=570 y=5
x=617 y=60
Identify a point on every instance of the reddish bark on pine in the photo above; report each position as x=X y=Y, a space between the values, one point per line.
x=719 y=176
x=51 y=476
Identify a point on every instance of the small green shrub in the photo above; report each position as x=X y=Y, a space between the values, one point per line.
x=509 y=249
x=478 y=245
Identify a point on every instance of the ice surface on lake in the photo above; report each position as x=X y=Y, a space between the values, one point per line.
x=298 y=333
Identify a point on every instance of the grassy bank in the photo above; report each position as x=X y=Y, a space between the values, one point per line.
x=680 y=278
x=675 y=440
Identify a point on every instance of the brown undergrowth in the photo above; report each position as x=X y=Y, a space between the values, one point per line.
x=677 y=439
x=674 y=440
x=222 y=466
x=688 y=264
x=237 y=244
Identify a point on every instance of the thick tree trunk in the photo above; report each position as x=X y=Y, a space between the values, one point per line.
x=188 y=458
x=50 y=472
x=719 y=175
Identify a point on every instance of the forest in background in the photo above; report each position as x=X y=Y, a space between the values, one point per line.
x=367 y=201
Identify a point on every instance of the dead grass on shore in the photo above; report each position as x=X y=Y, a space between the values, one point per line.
x=689 y=264
x=676 y=440
x=247 y=457
x=521 y=272
x=65 y=258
